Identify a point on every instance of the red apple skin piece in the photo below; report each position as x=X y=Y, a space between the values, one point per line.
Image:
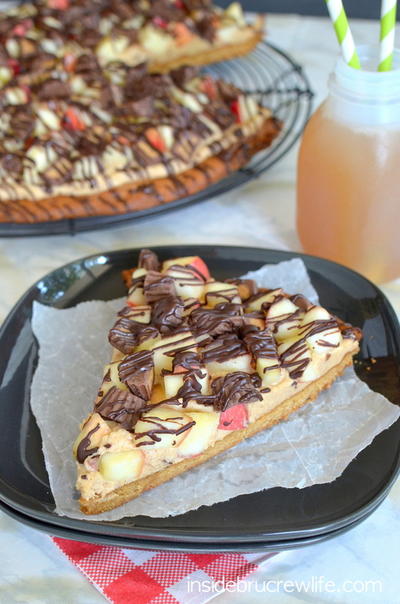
x=234 y=418
x=194 y=261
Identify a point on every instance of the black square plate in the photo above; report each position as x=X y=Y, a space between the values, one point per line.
x=254 y=521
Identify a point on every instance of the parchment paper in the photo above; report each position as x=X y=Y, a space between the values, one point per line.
x=313 y=446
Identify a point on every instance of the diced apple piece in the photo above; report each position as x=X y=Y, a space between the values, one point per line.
x=174 y=381
x=49 y=118
x=281 y=309
x=310 y=373
x=234 y=418
x=95 y=438
x=122 y=466
x=114 y=158
x=113 y=378
x=139 y=313
x=167 y=135
x=187 y=100
x=149 y=344
x=196 y=262
x=187 y=283
x=295 y=354
x=154 y=40
x=322 y=340
x=316 y=313
x=270 y=372
x=218 y=292
x=239 y=363
x=160 y=426
x=136 y=293
x=234 y=11
x=267 y=298
x=5 y=75
x=110 y=48
x=284 y=318
x=166 y=348
x=41 y=157
x=190 y=304
x=201 y=435
x=16 y=96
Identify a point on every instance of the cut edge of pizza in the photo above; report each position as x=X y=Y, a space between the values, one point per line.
x=199 y=365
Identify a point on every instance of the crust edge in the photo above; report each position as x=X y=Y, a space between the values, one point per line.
x=132 y=197
x=213 y=55
x=132 y=490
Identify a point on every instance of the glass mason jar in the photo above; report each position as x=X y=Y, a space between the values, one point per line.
x=348 y=177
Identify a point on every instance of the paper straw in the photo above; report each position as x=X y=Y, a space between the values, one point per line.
x=388 y=23
x=343 y=33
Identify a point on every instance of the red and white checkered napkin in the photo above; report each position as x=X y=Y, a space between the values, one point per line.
x=130 y=576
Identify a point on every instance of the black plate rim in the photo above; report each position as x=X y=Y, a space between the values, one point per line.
x=201 y=536
x=176 y=546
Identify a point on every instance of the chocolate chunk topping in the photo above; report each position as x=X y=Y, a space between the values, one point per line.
x=167 y=314
x=121 y=406
x=53 y=89
x=157 y=286
x=223 y=116
x=11 y=163
x=148 y=260
x=223 y=348
x=224 y=318
x=187 y=360
x=300 y=301
x=206 y=27
x=83 y=451
x=136 y=371
x=261 y=344
x=127 y=334
x=167 y=11
x=235 y=388
x=183 y=74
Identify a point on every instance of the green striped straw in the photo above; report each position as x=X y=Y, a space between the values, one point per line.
x=388 y=23
x=343 y=33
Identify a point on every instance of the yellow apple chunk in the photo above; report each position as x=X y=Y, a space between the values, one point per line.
x=122 y=466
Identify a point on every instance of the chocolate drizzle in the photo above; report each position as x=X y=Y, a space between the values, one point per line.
x=83 y=451
x=158 y=429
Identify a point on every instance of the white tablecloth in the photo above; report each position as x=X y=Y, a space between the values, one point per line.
x=260 y=214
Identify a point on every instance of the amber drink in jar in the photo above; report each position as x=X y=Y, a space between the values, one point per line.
x=348 y=178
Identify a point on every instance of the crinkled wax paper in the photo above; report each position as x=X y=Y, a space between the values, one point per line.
x=313 y=446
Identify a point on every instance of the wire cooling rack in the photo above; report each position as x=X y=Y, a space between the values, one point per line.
x=276 y=81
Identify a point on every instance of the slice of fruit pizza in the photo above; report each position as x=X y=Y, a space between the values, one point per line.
x=164 y=33
x=199 y=365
